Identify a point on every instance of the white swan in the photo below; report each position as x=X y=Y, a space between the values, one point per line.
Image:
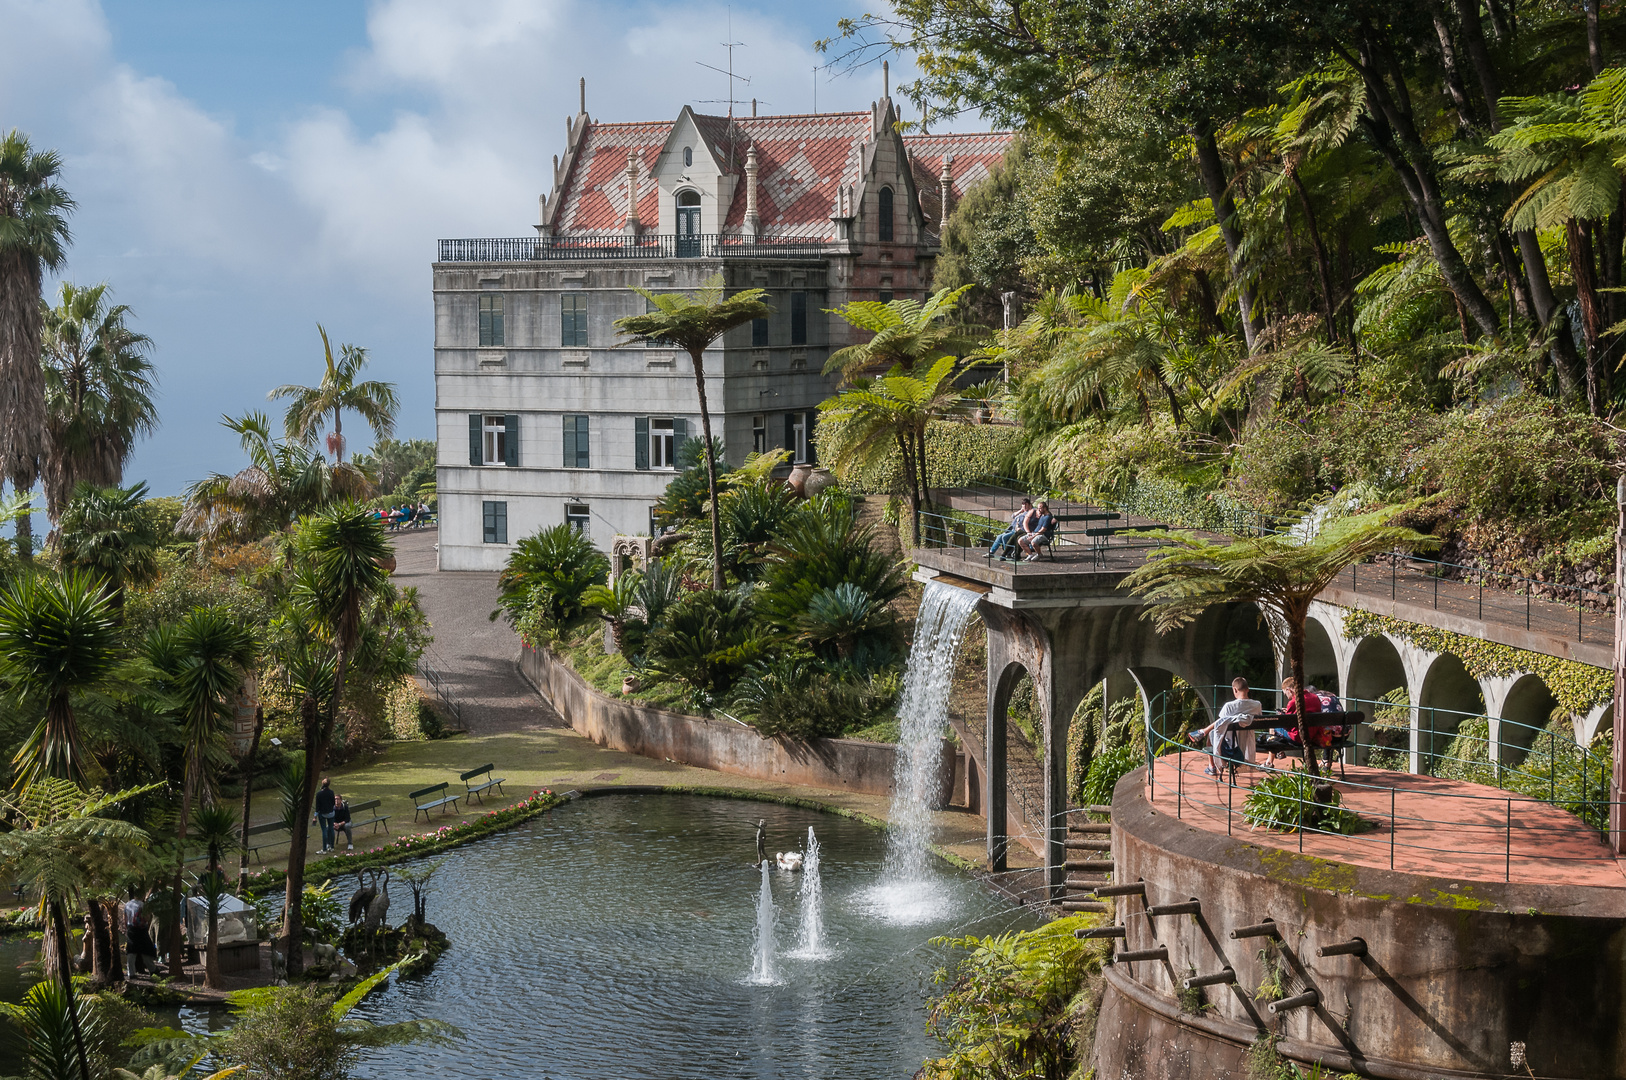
x=789 y=860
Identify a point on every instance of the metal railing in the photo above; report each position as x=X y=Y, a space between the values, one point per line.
x=707 y=246
x=981 y=533
x=1548 y=770
x=1456 y=588
x=437 y=682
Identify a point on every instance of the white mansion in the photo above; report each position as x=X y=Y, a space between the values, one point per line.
x=544 y=416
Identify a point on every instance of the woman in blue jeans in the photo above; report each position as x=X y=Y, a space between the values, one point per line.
x=1020 y=521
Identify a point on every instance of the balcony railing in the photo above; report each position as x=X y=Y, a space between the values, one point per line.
x=546 y=248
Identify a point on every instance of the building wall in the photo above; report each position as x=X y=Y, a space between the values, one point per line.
x=533 y=376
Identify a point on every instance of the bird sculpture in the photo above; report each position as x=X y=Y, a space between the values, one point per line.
x=789 y=860
x=379 y=905
x=762 y=842
x=362 y=898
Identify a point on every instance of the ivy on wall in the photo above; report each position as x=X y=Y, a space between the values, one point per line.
x=1578 y=687
x=956 y=454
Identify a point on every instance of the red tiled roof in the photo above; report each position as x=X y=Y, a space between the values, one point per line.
x=802 y=162
x=975 y=156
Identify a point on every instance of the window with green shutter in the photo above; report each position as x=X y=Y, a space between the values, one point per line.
x=576 y=442
x=640 y=442
x=495 y=521
x=491 y=321
x=510 y=455
x=573 y=321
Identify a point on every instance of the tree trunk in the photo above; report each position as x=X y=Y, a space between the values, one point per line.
x=1211 y=170
x=177 y=959
x=1583 y=269
x=1473 y=40
x=711 y=469
x=102 y=960
x=1453 y=77
x=1594 y=38
x=111 y=913
x=293 y=928
x=907 y=454
x=1321 y=261
x=1295 y=664
x=211 y=955
x=60 y=922
x=248 y=794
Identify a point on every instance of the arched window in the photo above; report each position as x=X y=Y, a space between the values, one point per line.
x=688 y=156
x=884 y=219
x=688 y=223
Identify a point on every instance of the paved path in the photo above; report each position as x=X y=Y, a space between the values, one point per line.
x=1419 y=825
x=511 y=726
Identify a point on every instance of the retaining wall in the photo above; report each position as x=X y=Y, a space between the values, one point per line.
x=720 y=744
x=1455 y=971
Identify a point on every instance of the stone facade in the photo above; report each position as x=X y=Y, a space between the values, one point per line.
x=543 y=416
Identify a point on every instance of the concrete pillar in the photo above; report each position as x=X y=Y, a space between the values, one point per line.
x=993 y=742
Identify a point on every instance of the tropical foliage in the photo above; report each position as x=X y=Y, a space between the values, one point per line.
x=340 y=390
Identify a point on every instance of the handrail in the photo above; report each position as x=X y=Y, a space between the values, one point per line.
x=643 y=246
x=1420 y=575
x=437 y=682
x=1550 y=767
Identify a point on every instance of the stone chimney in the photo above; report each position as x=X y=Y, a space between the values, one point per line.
x=753 y=221
x=946 y=183
x=633 y=224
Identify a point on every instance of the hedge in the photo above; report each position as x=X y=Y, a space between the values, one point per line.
x=956 y=455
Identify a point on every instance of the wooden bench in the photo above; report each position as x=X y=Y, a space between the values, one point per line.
x=476 y=790
x=1277 y=746
x=419 y=806
x=265 y=830
x=375 y=821
x=1057 y=521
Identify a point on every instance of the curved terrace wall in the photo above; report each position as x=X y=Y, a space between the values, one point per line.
x=1455 y=971
x=722 y=745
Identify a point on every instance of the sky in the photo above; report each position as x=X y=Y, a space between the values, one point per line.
x=247 y=170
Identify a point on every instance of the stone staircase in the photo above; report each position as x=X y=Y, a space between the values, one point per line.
x=1089 y=860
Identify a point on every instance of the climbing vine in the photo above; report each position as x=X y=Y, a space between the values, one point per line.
x=1578 y=687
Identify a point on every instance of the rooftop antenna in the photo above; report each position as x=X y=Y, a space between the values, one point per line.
x=730 y=46
x=815 y=89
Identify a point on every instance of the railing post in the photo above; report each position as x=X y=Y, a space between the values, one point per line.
x=1508 y=872
x=1394 y=573
x=1394 y=827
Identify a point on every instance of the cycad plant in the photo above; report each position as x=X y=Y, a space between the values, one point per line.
x=98 y=391
x=821 y=550
x=340 y=389
x=705 y=641
x=547 y=578
x=693 y=322
x=617 y=604
x=1282 y=573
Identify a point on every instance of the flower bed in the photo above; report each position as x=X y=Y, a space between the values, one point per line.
x=415 y=845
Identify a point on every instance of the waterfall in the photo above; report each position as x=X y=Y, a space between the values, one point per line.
x=810 y=946
x=907 y=892
x=762 y=948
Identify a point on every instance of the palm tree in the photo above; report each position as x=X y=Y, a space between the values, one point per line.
x=342 y=552
x=98 y=392
x=309 y=406
x=108 y=532
x=215 y=827
x=283 y=481
x=692 y=322
x=865 y=423
x=906 y=334
x=1280 y=572
x=201 y=661
x=57 y=840
x=58 y=638
x=33 y=238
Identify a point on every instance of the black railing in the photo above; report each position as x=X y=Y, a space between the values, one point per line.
x=562 y=248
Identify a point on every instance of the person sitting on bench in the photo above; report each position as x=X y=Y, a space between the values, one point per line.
x=1039 y=533
x=1226 y=743
x=1020 y=521
x=1290 y=698
x=341 y=823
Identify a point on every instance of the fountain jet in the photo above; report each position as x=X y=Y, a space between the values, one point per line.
x=762 y=948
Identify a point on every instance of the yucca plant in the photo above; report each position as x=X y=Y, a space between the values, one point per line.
x=215 y=828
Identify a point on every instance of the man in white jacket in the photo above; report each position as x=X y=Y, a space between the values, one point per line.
x=1241 y=707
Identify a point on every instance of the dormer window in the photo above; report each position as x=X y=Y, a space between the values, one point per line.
x=883 y=219
x=688 y=156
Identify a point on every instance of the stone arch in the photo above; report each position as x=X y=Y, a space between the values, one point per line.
x=1024 y=821
x=1526 y=710
x=1448 y=695
x=1375 y=668
x=1600 y=718
x=1320 y=657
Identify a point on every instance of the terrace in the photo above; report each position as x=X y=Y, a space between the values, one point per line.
x=646 y=246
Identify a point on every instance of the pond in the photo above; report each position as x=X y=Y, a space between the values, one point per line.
x=613 y=937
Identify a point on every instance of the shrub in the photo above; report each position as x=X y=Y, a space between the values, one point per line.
x=794 y=695
x=545 y=579
x=956 y=454
x=707 y=639
x=291 y=1035
x=1107 y=769
x=1287 y=800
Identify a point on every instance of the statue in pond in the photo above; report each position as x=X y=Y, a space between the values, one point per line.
x=762 y=842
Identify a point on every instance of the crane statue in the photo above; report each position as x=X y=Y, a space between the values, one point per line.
x=362 y=898
x=379 y=906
